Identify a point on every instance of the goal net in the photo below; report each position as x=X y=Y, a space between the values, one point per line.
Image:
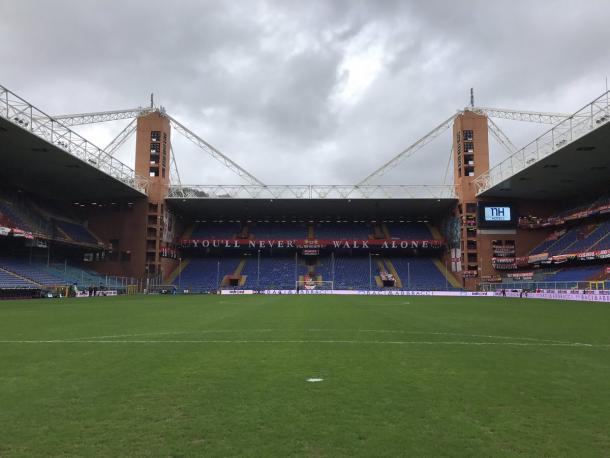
x=308 y=285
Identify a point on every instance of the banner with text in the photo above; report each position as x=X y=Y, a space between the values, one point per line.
x=310 y=244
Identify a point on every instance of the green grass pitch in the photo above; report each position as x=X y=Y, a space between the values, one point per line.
x=223 y=376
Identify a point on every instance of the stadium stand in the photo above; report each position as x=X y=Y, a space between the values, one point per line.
x=10 y=280
x=204 y=274
x=420 y=274
x=353 y=272
x=33 y=272
x=573 y=274
x=77 y=232
x=276 y=272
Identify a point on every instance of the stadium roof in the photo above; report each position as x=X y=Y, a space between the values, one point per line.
x=32 y=163
x=580 y=168
x=331 y=209
x=571 y=159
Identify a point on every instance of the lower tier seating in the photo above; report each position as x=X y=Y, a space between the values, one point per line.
x=420 y=274
x=34 y=272
x=275 y=272
x=204 y=274
x=9 y=280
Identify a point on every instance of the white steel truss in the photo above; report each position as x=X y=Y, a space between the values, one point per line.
x=570 y=129
x=118 y=141
x=174 y=174
x=78 y=119
x=520 y=115
x=515 y=115
x=313 y=192
x=205 y=146
x=501 y=137
x=438 y=130
x=104 y=116
x=23 y=114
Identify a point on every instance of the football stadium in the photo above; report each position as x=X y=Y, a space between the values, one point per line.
x=144 y=316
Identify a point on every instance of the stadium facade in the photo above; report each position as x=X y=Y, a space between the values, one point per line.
x=70 y=213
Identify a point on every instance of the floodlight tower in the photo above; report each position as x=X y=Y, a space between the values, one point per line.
x=152 y=160
x=470 y=159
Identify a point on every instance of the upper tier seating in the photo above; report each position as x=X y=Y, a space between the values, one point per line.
x=568 y=274
x=604 y=241
x=409 y=231
x=591 y=239
x=223 y=230
x=278 y=230
x=543 y=246
x=24 y=216
x=13 y=215
x=204 y=274
x=338 y=231
x=77 y=232
x=563 y=242
x=574 y=242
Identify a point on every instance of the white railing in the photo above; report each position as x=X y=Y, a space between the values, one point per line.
x=313 y=192
x=23 y=114
x=570 y=129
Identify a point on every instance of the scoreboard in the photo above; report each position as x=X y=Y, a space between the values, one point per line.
x=496 y=215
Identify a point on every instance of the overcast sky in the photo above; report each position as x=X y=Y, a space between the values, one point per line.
x=306 y=92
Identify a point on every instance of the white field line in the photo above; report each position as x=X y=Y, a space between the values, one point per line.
x=350 y=342
x=381 y=331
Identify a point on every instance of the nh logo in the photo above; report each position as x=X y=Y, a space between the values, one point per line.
x=497 y=212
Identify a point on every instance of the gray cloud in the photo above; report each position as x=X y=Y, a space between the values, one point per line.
x=298 y=92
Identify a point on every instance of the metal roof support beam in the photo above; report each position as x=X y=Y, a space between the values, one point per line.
x=205 y=146
x=78 y=119
x=520 y=115
x=118 y=141
x=306 y=192
x=442 y=127
x=501 y=137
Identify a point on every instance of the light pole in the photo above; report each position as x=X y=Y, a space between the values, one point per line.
x=179 y=273
x=218 y=276
x=332 y=267
x=296 y=270
x=258 y=270
x=371 y=270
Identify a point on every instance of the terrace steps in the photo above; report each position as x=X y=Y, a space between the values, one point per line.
x=392 y=270
x=448 y=275
x=385 y=231
x=434 y=231
x=174 y=274
x=15 y=274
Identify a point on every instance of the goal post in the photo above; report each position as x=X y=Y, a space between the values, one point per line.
x=307 y=285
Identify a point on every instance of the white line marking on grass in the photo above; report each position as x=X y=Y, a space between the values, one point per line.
x=314 y=380
x=350 y=342
x=195 y=331
x=398 y=331
x=380 y=331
